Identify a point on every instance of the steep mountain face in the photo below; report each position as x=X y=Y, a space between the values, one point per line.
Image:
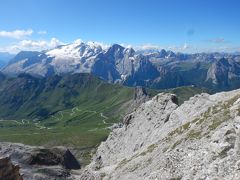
x=224 y=73
x=117 y=64
x=23 y=55
x=29 y=62
x=161 y=140
x=105 y=66
x=4 y=58
x=2 y=77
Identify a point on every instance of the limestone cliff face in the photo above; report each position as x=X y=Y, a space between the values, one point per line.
x=223 y=73
x=160 y=140
x=140 y=96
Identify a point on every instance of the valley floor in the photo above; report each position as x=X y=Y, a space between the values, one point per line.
x=80 y=129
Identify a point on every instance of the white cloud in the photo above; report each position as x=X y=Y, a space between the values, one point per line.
x=126 y=45
x=42 y=32
x=219 y=40
x=174 y=48
x=91 y=43
x=33 y=45
x=148 y=47
x=78 y=41
x=185 y=46
x=129 y=46
x=16 y=34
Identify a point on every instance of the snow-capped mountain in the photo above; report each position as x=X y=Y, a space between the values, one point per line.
x=117 y=64
x=75 y=57
x=114 y=64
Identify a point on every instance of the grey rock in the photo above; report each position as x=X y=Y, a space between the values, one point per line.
x=140 y=95
x=198 y=140
x=223 y=71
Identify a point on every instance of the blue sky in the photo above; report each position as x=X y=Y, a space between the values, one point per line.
x=180 y=25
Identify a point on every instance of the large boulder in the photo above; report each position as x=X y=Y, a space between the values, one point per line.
x=38 y=163
x=53 y=156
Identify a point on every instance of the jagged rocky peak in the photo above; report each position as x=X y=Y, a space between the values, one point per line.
x=139 y=92
x=116 y=47
x=116 y=51
x=140 y=95
x=161 y=140
x=170 y=54
x=2 y=76
x=162 y=53
x=9 y=171
x=129 y=51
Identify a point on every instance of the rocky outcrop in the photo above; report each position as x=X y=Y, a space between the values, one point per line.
x=8 y=171
x=39 y=162
x=54 y=156
x=161 y=140
x=140 y=96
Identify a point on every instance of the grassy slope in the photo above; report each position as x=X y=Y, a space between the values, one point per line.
x=185 y=92
x=69 y=110
x=73 y=110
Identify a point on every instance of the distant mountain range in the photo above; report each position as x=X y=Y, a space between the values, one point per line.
x=117 y=64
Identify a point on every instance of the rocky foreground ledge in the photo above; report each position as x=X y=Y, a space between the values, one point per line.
x=160 y=140
x=20 y=161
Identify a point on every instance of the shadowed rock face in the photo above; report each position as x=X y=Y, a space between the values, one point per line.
x=54 y=156
x=224 y=73
x=8 y=171
x=39 y=163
